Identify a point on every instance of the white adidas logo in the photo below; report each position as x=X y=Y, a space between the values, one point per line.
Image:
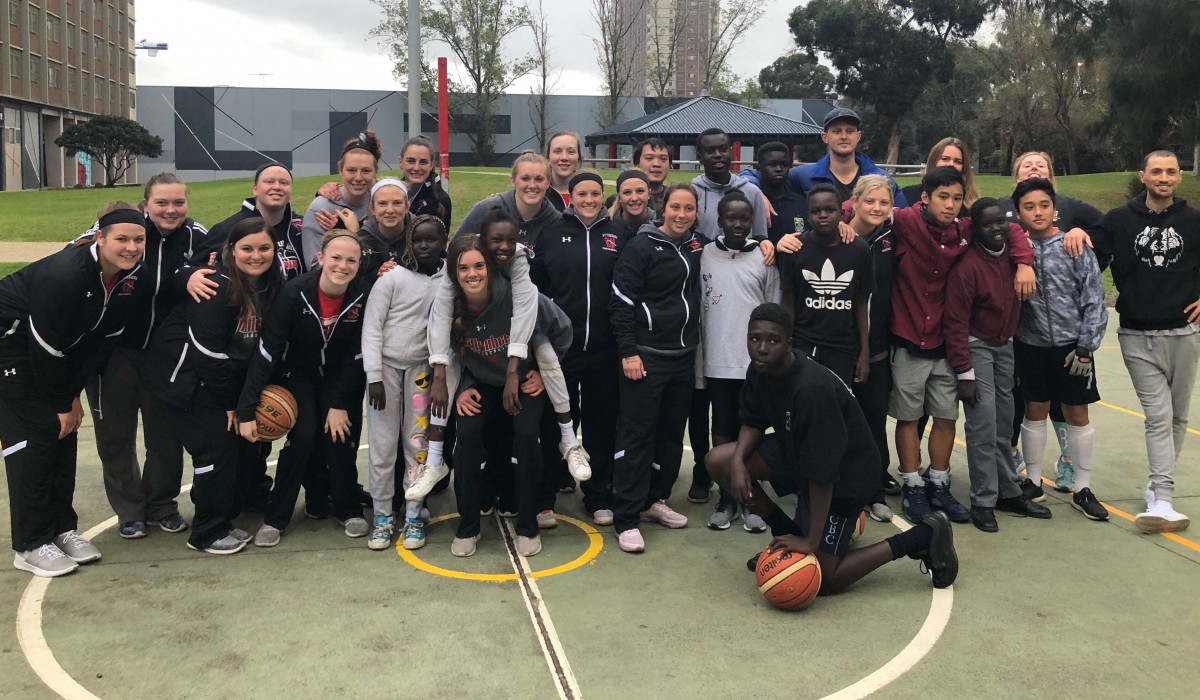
x=829 y=284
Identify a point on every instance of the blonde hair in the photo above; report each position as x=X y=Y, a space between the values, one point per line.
x=970 y=189
x=572 y=134
x=1045 y=156
x=531 y=157
x=866 y=183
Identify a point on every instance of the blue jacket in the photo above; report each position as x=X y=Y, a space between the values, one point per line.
x=1068 y=306
x=802 y=177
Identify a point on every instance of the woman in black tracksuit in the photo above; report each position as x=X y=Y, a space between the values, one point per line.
x=655 y=311
x=61 y=315
x=198 y=366
x=419 y=161
x=312 y=345
x=574 y=267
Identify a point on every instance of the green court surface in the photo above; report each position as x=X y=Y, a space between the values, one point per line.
x=1065 y=608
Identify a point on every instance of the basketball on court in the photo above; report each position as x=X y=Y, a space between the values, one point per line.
x=276 y=412
x=789 y=581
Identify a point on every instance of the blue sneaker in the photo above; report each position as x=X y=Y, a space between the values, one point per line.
x=916 y=505
x=133 y=530
x=381 y=534
x=414 y=534
x=1064 y=475
x=941 y=499
x=173 y=523
x=1018 y=461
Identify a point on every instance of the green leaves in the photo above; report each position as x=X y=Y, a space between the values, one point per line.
x=114 y=142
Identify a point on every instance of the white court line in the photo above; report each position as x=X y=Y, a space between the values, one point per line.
x=556 y=657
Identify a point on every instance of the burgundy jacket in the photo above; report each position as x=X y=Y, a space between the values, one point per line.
x=980 y=303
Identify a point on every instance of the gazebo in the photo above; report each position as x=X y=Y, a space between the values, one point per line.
x=680 y=124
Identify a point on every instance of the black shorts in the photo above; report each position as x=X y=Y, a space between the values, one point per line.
x=838 y=534
x=726 y=398
x=1044 y=378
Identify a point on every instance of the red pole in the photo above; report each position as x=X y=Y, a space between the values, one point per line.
x=612 y=153
x=443 y=121
x=737 y=155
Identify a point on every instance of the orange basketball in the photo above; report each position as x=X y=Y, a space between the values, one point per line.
x=860 y=527
x=789 y=581
x=276 y=412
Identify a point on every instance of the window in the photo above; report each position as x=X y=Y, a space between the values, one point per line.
x=133 y=99
x=35 y=69
x=98 y=48
x=85 y=82
x=72 y=80
x=71 y=30
x=34 y=19
x=14 y=12
x=54 y=75
x=99 y=91
x=53 y=28
x=14 y=63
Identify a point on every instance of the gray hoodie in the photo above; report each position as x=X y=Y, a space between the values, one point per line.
x=710 y=196
x=311 y=232
x=530 y=229
x=396 y=322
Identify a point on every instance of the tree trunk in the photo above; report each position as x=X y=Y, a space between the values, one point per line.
x=1196 y=158
x=1072 y=157
x=893 y=149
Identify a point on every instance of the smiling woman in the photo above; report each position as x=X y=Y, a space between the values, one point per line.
x=357 y=167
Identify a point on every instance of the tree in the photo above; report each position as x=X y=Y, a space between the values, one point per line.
x=887 y=53
x=724 y=32
x=797 y=76
x=547 y=76
x=113 y=142
x=619 y=22
x=665 y=42
x=475 y=31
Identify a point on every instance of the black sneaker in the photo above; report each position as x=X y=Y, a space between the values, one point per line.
x=890 y=486
x=1023 y=506
x=916 y=505
x=699 y=493
x=752 y=562
x=1089 y=505
x=984 y=519
x=941 y=558
x=1032 y=491
x=941 y=499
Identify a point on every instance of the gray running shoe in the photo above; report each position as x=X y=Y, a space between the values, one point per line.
x=77 y=549
x=723 y=516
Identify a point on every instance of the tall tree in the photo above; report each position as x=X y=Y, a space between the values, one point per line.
x=545 y=73
x=887 y=53
x=730 y=22
x=475 y=32
x=619 y=22
x=113 y=142
x=797 y=76
x=668 y=21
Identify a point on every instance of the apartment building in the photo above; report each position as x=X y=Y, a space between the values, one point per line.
x=663 y=51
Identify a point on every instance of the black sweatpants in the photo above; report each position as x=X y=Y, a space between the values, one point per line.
x=654 y=411
x=699 y=429
x=872 y=398
x=469 y=453
x=592 y=381
x=214 y=450
x=308 y=450
x=40 y=467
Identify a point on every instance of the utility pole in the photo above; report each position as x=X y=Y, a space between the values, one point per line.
x=414 y=68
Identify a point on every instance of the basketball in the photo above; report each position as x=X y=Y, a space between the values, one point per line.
x=276 y=412
x=789 y=581
x=860 y=527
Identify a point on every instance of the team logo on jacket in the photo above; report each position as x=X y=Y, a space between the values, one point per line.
x=610 y=241
x=828 y=284
x=354 y=312
x=694 y=245
x=297 y=225
x=1158 y=247
x=127 y=286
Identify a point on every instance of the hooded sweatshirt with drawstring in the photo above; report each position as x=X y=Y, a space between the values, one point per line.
x=710 y=196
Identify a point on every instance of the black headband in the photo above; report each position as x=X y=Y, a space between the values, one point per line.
x=122 y=216
x=584 y=177
x=630 y=174
x=262 y=168
x=361 y=144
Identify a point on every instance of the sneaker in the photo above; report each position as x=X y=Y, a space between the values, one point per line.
x=1032 y=491
x=662 y=514
x=173 y=523
x=77 y=549
x=546 y=520
x=752 y=522
x=941 y=499
x=425 y=481
x=1150 y=498
x=464 y=546
x=880 y=512
x=47 y=561
x=488 y=508
x=915 y=504
x=423 y=516
x=1089 y=505
x=529 y=546
x=723 y=516
x=984 y=519
x=941 y=558
x=631 y=541
x=241 y=535
x=381 y=534
x=267 y=536
x=414 y=534
x=752 y=562
x=602 y=516
x=133 y=530
x=355 y=527
x=1018 y=460
x=505 y=513
x=891 y=487
x=1021 y=505
x=1064 y=475
x=1161 y=517
x=226 y=545
x=577 y=461
x=699 y=493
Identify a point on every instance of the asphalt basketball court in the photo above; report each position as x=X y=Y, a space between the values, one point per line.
x=1065 y=607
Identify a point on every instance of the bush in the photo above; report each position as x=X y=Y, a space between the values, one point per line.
x=1134 y=187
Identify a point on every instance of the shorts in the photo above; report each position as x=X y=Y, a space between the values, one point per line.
x=1044 y=378
x=725 y=395
x=922 y=386
x=840 y=362
x=838 y=534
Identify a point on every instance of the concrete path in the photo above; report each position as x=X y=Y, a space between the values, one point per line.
x=27 y=251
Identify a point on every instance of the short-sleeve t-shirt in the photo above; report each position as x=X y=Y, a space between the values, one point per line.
x=825 y=281
x=820 y=427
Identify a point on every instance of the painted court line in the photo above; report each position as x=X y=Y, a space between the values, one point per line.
x=556 y=657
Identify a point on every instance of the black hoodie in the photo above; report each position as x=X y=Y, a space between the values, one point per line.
x=286 y=233
x=1155 y=259
x=655 y=306
x=377 y=250
x=432 y=199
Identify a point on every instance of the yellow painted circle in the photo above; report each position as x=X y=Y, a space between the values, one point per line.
x=595 y=544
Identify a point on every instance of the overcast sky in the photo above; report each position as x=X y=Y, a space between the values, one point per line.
x=306 y=43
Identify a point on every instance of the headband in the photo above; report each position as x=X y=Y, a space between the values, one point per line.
x=630 y=174
x=122 y=216
x=264 y=166
x=584 y=177
x=361 y=143
x=331 y=237
x=389 y=181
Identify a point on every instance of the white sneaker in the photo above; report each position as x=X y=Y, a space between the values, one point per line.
x=880 y=512
x=1161 y=517
x=664 y=515
x=77 y=549
x=546 y=520
x=47 y=561
x=529 y=546
x=602 y=516
x=425 y=481
x=1149 y=494
x=267 y=536
x=578 y=460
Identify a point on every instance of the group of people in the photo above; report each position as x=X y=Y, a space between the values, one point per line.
x=782 y=313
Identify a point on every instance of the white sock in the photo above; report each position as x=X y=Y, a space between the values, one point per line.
x=568 y=433
x=1033 y=439
x=434 y=457
x=412 y=509
x=912 y=479
x=940 y=477
x=1082 y=440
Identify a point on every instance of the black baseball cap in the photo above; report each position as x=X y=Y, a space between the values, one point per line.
x=844 y=114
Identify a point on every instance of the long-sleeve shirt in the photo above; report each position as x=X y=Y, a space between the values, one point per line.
x=1068 y=307
x=980 y=303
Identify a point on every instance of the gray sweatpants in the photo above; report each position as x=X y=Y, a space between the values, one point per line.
x=399 y=429
x=989 y=425
x=1163 y=371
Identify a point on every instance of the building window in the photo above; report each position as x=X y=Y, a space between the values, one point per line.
x=87 y=79
x=133 y=99
x=14 y=63
x=99 y=92
x=14 y=12
x=71 y=30
x=34 y=19
x=72 y=79
x=54 y=75
x=98 y=49
x=53 y=28
x=35 y=69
